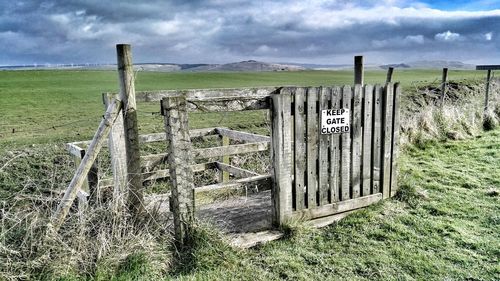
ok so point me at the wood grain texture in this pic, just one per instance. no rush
(118, 154)
(224, 175)
(153, 160)
(86, 164)
(357, 134)
(180, 158)
(345, 158)
(323, 169)
(336, 103)
(300, 148)
(367, 140)
(281, 155)
(395, 139)
(127, 96)
(377, 139)
(242, 136)
(312, 147)
(335, 208)
(216, 100)
(387, 105)
(236, 171)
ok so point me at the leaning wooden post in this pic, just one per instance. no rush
(444, 85)
(116, 144)
(358, 70)
(389, 75)
(83, 169)
(179, 159)
(127, 96)
(486, 97)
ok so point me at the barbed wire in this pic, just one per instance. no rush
(54, 127)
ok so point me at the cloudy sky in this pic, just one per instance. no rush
(220, 31)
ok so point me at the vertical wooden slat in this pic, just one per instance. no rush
(395, 139)
(356, 142)
(323, 176)
(387, 104)
(300, 148)
(179, 158)
(377, 139)
(282, 155)
(367, 140)
(116, 144)
(312, 146)
(345, 159)
(336, 103)
(224, 175)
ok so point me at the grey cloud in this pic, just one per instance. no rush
(223, 31)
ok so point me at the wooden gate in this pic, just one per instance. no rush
(316, 175)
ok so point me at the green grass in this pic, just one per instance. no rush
(445, 226)
(62, 106)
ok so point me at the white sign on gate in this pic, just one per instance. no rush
(335, 121)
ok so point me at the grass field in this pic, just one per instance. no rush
(62, 106)
(444, 224)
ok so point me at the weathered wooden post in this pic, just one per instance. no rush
(86, 164)
(486, 96)
(395, 138)
(180, 158)
(358, 70)
(127, 96)
(489, 68)
(281, 151)
(444, 85)
(389, 75)
(224, 175)
(116, 144)
(387, 119)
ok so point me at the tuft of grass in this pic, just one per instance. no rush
(205, 250)
(490, 120)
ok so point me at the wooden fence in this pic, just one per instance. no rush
(316, 175)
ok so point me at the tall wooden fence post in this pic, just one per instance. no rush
(127, 96)
(390, 71)
(281, 151)
(486, 97)
(180, 158)
(358, 70)
(387, 119)
(444, 85)
(395, 138)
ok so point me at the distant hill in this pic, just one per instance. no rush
(249, 65)
(428, 64)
